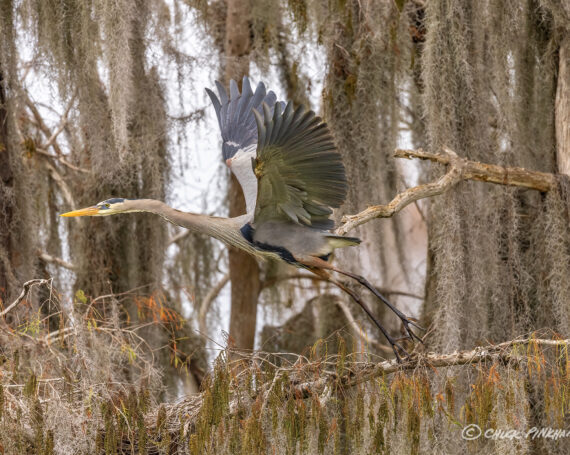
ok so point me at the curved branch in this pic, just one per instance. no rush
(459, 169)
(208, 299)
(60, 182)
(26, 288)
(356, 328)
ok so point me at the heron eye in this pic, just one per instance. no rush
(107, 206)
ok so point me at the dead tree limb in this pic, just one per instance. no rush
(459, 169)
(26, 288)
(501, 351)
(55, 260)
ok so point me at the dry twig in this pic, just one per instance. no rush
(25, 289)
(208, 299)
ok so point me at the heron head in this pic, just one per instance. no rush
(103, 208)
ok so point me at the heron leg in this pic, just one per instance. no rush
(395, 345)
(406, 322)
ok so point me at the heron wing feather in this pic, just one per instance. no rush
(235, 114)
(299, 171)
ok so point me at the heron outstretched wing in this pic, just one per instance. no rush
(239, 130)
(299, 171)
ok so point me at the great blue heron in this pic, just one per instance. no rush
(291, 175)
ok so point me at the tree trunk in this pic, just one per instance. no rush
(562, 109)
(18, 228)
(6, 184)
(244, 270)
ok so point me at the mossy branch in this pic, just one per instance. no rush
(481, 354)
(459, 169)
(190, 407)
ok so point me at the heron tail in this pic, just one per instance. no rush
(338, 241)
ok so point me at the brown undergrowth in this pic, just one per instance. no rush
(90, 386)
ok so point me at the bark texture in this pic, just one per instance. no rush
(562, 113)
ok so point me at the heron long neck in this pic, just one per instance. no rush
(225, 229)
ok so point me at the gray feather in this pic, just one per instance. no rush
(235, 114)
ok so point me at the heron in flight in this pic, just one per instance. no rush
(292, 177)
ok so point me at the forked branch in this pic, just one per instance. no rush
(459, 169)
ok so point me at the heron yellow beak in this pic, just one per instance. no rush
(89, 211)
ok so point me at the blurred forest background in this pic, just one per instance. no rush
(117, 321)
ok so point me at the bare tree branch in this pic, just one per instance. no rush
(356, 328)
(473, 170)
(432, 360)
(60, 127)
(55, 260)
(40, 123)
(62, 160)
(459, 169)
(208, 299)
(58, 179)
(178, 236)
(52, 136)
(26, 288)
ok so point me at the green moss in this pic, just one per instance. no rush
(111, 437)
(16, 365)
(31, 386)
(253, 438)
(414, 426)
(49, 444)
(38, 423)
(358, 419)
(480, 403)
(341, 357)
(323, 428)
(235, 435)
(426, 399)
(450, 395)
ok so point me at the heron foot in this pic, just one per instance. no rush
(397, 347)
(406, 322)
